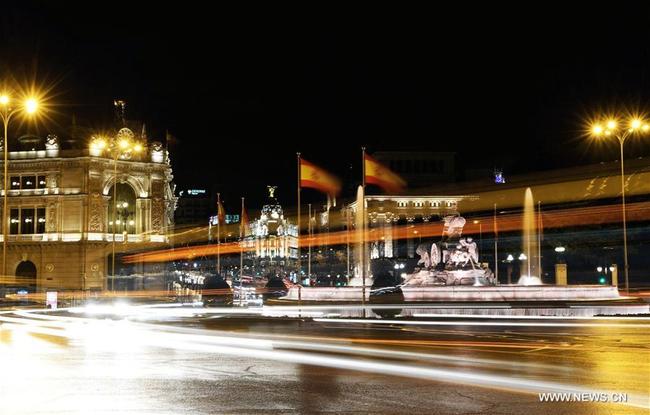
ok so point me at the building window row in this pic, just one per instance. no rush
(25, 221)
(28, 181)
(404, 203)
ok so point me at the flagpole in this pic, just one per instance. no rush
(298, 277)
(496, 260)
(218, 234)
(241, 253)
(309, 230)
(539, 238)
(363, 227)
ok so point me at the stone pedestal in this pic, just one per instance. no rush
(560, 274)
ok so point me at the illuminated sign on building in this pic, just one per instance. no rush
(192, 192)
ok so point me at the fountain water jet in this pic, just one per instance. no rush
(530, 265)
(360, 240)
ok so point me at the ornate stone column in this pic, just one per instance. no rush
(142, 215)
(410, 243)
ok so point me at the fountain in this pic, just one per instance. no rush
(454, 260)
(450, 270)
(530, 266)
(355, 289)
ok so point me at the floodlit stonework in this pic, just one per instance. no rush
(60, 217)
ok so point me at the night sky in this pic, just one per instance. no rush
(243, 90)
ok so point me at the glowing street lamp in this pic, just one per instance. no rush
(27, 106)
(635, 126)
(31, 105)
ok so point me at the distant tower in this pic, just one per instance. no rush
(120, 111)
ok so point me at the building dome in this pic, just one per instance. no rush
(30, 142)
(272, 210)
(274, 238)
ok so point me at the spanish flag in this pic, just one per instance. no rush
(314, 177)
(221, 213)
(380, 175)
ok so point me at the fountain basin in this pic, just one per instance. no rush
(464, 293)
(326, 293)
(510, 293)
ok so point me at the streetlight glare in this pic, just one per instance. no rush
(31, 105)
(124, 144)
(137, 148)
(4, 99)
(635, 124)
(98, 143)
(611, 124)
(597, 129)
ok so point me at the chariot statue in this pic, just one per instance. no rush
(452, 261)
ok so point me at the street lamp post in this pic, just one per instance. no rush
(118, 146)
(608, 129)
(29, 106)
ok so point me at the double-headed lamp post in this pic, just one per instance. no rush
(612, 128)
(28, 106)
(118, 146)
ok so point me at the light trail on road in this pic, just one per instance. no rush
(109, 334)
(481, 323)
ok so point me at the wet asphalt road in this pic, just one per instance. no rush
(213, 364)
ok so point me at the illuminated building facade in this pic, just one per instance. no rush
(390, 218)
(60, 205)
(273, 239)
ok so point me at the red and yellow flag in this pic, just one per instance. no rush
(380, 175)
(314, 177)
(221, 213)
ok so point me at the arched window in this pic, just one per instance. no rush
(26, 275)
(124, 219)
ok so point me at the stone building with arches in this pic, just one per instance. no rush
(61, 225)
